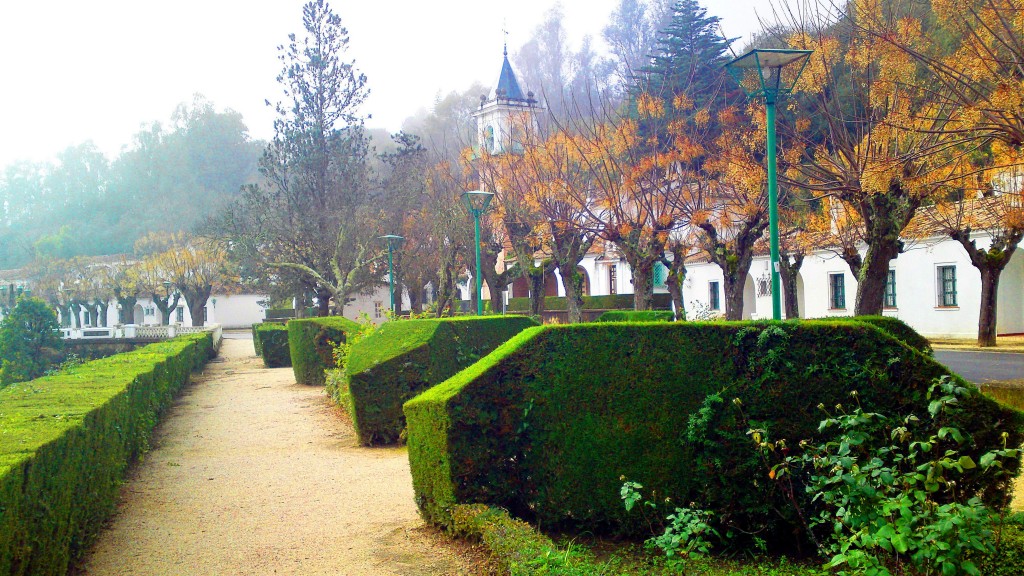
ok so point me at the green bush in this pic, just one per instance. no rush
(311, 344)
(607, 302)
(403, 358)
(636, 316)
(547, 424)
(256, 344)
(273, 344)
(66, 441)
(896, 328)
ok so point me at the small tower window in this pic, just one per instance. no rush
(489, 141)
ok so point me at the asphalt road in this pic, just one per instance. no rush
(981, 367)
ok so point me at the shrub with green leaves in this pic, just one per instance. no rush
(888, 492)
(273, 344)
(30, 341)
(636, 316)
(547, 424)
(66, 441)
(403, 358)
(311, 344)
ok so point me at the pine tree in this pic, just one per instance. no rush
(688, 57)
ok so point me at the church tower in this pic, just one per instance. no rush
(506, 114)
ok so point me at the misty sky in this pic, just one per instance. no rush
(77, 70)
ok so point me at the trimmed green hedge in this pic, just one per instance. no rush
(900, 330)
(608, 302)
(66, 442)
(311, 344)
(272, 342)
(549, 423)
(636, 316)
(403, 358)
(257, 345)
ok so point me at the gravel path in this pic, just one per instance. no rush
(254, 474)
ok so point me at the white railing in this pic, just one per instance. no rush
(133, 331)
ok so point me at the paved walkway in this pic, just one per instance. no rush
(254, 474)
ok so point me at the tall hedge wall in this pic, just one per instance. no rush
(311, 344)
(403, 358)
(271, 342)
(549, 423)
(66, 441)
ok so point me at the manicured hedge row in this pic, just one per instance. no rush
(636, 316)
(549, 423)
(257, 345)
(66, 441)
(311, 344)
(608, 302)
(899, 330)
(271, 341)
(403, 358)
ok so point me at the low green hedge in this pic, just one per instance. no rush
(607, 302)
(636, 316)
(403, 358)
(66, 442)
(257, 345)
(272, 339)
(548, 424)
(311, 344)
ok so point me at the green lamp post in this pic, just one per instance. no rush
(477, 202)
(760, 73)
(393, 241)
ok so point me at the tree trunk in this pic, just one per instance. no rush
(127, 309)
(76, 314)
(416, 300)
(675, 289)
(642, 268)
(987, 317)
(196, 299)
(323, 302)
(873, 272)
(573, 282)
(536, 281)
(788, 274)
(102, 306)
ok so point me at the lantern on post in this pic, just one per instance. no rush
(770, 74)
(477, 202)
(393, 241)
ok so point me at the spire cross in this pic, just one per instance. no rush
(504, 28)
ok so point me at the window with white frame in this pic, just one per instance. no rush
(837, 291)
(378, 309)
(946, 279)
(179, 314)
(714, 302)
(889, 300)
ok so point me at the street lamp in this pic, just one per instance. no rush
(476, 202)
(760, 73)
(393, 241)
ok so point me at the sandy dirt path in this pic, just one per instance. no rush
(252, 473)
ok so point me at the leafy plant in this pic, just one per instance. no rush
(687, 530)
(898, 506)
(30, 341)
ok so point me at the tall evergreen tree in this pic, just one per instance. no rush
(688, 57)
